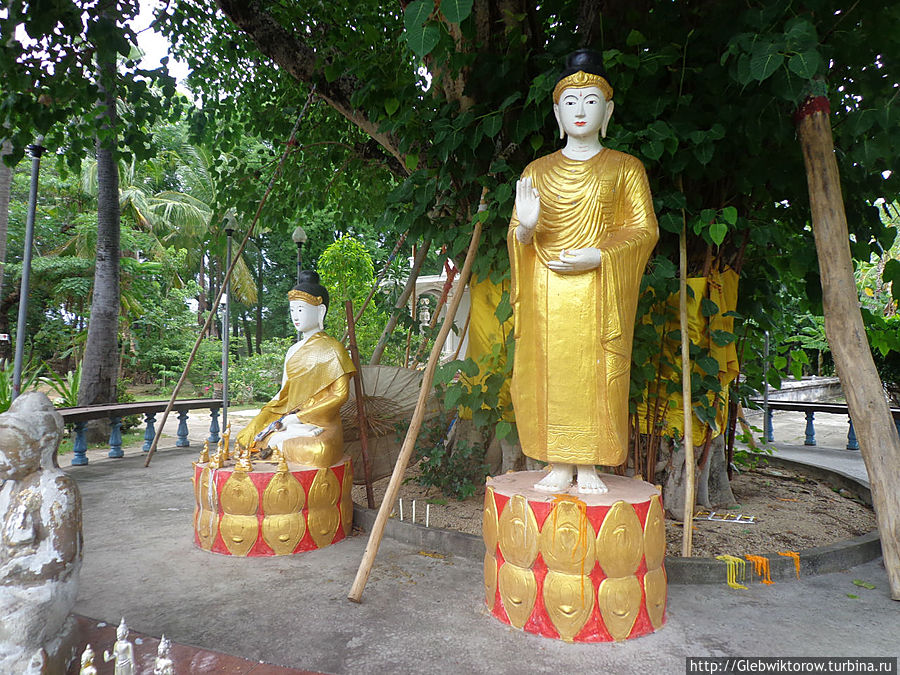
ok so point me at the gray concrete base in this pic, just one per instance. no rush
(820, 560)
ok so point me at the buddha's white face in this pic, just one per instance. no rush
(306, 317)
(583, 112)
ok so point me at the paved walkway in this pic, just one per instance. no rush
(420, 614)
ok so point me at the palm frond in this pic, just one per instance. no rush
(243, 287)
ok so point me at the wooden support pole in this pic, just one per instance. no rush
(400, 305)
(879, 442)
(409, 443)
(689, 462)
(361, 417)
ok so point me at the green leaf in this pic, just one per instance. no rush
(863, 584)
(391, 106)
(670, 222)
(722, 337)
(717, 232)
(708, 307)
(708, 365)
(416, 13)
(536, 141)
(412, 161)
(492, 124)
(635, 37)
(805, 64)
(764, 61)
(456, 11)
(332, 72)
(653, 150)
(729, 213)
(852, 596)
(422, 39)
(452, 397)
(503, 429)
(704, 153)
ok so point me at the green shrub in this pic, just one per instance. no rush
(257, 378)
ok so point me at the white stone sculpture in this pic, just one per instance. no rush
(164, 664)
(123, 651)
(40, 541)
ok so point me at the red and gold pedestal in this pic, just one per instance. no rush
(267, 512)
(580, 568)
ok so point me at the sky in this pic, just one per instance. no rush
(154, 45)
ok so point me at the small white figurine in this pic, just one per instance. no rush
(164, 664)
(87, 662)
(123, 652)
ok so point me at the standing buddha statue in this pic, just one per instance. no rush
(581, 232)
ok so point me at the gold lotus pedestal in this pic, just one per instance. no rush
(271, 509)
(580, 568)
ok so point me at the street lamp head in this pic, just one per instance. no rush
(299, 236)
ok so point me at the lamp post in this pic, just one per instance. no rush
(300, 238)
(226, 325)
(36, 151)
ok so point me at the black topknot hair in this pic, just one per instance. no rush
(308, 282)
(588, 60)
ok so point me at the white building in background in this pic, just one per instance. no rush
(429, 288)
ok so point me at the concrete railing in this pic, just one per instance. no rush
(79, 417)
(810, 410)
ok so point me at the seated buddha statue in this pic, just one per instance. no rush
(582, 230)
(303, 420)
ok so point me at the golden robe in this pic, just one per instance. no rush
(573, 331)
(317, 385)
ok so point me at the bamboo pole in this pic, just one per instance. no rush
(689, 463)
(418, 259)
(879, 442)
(360, 405)
(237, 255)
(390, 496)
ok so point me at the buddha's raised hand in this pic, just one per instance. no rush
(528, 209)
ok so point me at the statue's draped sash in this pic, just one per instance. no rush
(573, 332)
(314, 367)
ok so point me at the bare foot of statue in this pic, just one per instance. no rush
(559, 479)
(589, 482)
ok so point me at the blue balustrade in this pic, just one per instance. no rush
(115, 437)
(213, 427)
(852, 443)
(810, 428)
(150, 431)
(79, 445)
(182, 433)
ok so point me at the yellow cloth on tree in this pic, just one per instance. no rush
(573, 332)
(487, 339)
(722, 289)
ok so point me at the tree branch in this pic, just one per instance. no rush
(299, 59)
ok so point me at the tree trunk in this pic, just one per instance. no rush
(6, 305)
(99, 369)
(879, 442)
(247, 333)
(6, 174)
